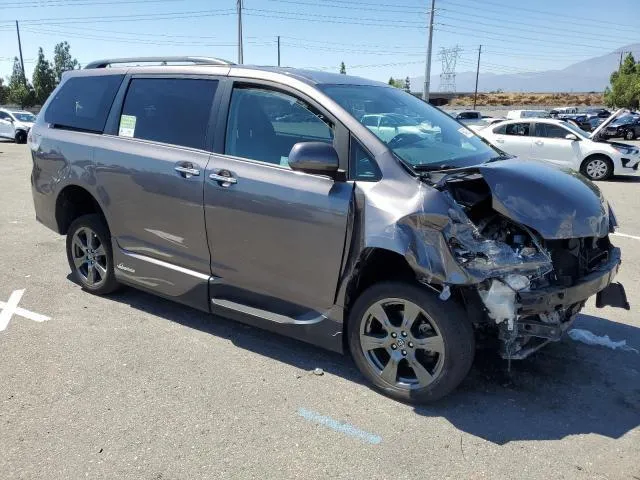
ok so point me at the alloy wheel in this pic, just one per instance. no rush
(597, 169)
(402, 344)
(89, 257)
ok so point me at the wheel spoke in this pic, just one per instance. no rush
(373, 342)
(89, 236)
(378, 312)
(390, 372)
(91, 275)
(102, 272)
(78, 243)
(79, 261)
(411, 312)
(430, 344)
(100, 252)
(422, 374)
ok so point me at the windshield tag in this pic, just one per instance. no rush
(466, 132)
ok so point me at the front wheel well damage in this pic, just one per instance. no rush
(73, 202)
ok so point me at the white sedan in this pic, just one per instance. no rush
(565, 145)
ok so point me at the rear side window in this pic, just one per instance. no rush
(83, 103)
(168, 110)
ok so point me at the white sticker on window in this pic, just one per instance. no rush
(466, 132)
(127, 126)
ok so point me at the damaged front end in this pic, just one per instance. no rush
(524, 245)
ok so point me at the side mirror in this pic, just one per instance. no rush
(9, 119)
(571, 136)
(314, 157)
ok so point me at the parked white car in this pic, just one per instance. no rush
(16, 124)
(387, 126)
(515, 114)
(565, 145)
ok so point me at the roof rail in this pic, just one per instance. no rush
(195, 60)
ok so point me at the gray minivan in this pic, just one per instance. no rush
(256, 193)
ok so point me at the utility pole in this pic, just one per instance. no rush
(475, 93)
(620, 65)
(278, 50)
(24, 75)
(240, 59)
(427, 69)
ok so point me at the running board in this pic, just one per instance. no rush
(267, 315)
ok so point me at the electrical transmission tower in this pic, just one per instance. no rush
(449, 57)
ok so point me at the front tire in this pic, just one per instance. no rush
(90, 254)
(409, 344)
(629, 135)
(597, 167)
(21, 137)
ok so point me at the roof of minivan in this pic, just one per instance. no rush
(311, 77)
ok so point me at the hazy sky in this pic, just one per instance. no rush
(374, 39)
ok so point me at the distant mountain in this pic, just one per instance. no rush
(586, 76)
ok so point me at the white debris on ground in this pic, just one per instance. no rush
(590, 338)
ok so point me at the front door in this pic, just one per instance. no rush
(151, 176)
(550, 145)
(6, 126)
(276, 236)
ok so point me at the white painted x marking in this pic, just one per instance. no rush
(11, 307)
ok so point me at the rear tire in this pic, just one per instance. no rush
(409, 344)
(597, 167)
(90, 254)
(21, 137)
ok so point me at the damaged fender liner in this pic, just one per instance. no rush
(548, 299)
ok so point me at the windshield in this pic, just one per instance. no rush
(419, 134)
(25, 117)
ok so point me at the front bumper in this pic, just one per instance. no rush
(551, 299)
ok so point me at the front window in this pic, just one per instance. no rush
(576, 130)
(417, 133)
(25, 117)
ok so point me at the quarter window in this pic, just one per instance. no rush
(168, 110)
(363, 167)
(264, 125)
(83, 103)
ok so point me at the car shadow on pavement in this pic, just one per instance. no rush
(565, 389)
(624, 179)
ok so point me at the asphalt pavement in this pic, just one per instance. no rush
(132, 386)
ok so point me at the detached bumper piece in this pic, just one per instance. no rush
(614, 296)
(550, 299)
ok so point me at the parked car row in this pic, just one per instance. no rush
(562, 143)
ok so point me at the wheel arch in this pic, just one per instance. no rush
(374, 265)
(593, 155)
(72, 202)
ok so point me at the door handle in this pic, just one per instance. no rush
(539, 142)
(499, 140)
(187, 171)
(224, 178)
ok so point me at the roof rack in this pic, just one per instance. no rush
(195, 60)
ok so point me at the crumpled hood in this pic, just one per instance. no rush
(555, 203)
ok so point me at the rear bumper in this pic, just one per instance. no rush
(551, 299)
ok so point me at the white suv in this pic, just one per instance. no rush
(565, 145)
(16, 124)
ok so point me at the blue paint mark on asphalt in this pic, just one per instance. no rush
(345, 428)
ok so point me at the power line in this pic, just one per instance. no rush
(66, 3)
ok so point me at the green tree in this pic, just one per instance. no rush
(624, 89)
(407, 85)
(3, 92)
(20, 92)
(392, 82)
(44, 79)
(343, 68)
(62, 60)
